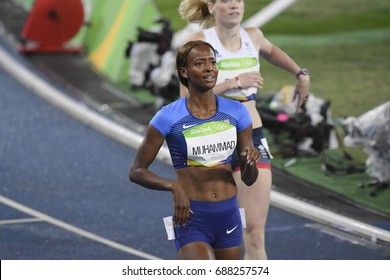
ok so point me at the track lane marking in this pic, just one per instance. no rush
(74, 229)
(19, 221)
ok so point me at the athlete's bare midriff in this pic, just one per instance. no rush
(207, 183)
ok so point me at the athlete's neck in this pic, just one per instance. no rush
(229, 38)
(202, 107)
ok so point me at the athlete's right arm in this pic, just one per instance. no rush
(139, 170)
(139, 173)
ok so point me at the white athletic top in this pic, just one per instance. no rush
(233, 63)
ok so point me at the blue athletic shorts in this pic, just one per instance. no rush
(264, 161)
(215, 223)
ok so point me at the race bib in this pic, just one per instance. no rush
(210, 144)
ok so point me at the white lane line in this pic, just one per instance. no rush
(74, 229)
(19, 221)
(330, 218)
(268, 13)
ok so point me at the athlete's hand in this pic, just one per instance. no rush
(181, 205)
(249, 172)
(251, 79)
(301, 91)
(250, 155)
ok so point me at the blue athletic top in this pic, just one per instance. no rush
(201, 142)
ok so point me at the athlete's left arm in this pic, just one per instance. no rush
(279, 58)
(249, 156)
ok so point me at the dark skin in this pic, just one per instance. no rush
(197, 183)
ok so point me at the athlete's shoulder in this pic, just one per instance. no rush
(175, 106)
(253, 31)
(228, 103)
(168, 115)
(172, 109)
(256, 35)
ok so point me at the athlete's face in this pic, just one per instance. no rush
(201, 70)
(227, 12)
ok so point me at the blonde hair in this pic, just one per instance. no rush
(197, 11)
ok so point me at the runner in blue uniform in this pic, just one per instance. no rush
(202, 131)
